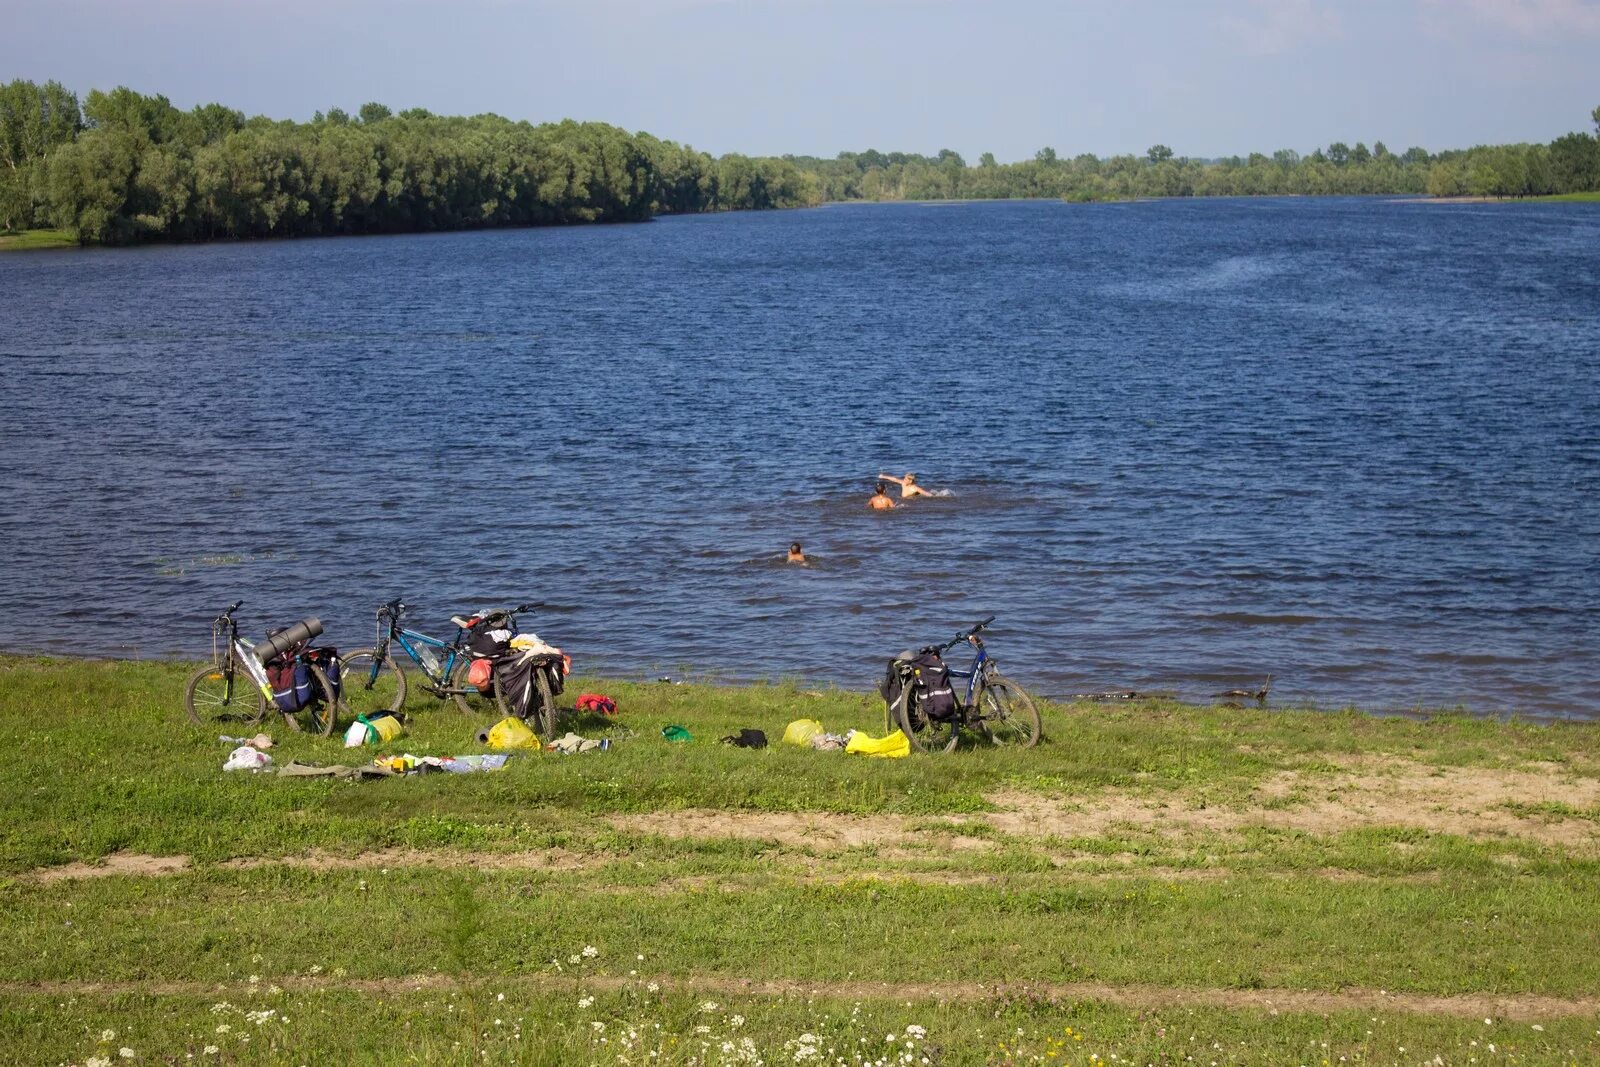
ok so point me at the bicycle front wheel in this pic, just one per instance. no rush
(1008, 714)
(370, 686)
(213, 697)
(925, 734)
(545, 694)
(469, 699)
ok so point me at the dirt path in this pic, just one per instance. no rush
(1511, 1007)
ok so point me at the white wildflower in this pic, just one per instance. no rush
(108, 1036)
(654, 987)
(590, 952)
(709, 1005)
(125, 1052)
(223, 1028)
(97, 1061)
(586, 1002)
(211, 1050)
(916, 1031)
(736, 1021)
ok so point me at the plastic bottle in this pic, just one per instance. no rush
(429, 658)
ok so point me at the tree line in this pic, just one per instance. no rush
(124, 167)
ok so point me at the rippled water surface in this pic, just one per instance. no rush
(1352, 444)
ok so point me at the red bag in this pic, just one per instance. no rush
(480, 673)
(597, 703)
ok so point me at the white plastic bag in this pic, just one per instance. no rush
(245, 758)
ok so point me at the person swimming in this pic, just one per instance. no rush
(908, 485)
(880, 498)
(795, 554)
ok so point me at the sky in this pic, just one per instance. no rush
(815, 77)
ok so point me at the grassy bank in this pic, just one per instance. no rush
(13, 240)
(1158, 883)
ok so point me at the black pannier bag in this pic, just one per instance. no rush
(515, 673)
(930, 679)
(929, 682)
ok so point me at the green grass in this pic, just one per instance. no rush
(26, 239)
(1576, 198)
(936, 910)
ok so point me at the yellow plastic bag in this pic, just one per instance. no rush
(895, 746)
(801, 731)
(509, 733)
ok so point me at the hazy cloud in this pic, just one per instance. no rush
(1273, 27)
(1531, 18)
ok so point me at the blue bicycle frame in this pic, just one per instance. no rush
(971, 674)
(446, 665)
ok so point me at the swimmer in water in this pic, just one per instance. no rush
(880, 498)
(795, 555)
(908, 485)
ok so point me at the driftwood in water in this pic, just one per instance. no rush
(1259, 695)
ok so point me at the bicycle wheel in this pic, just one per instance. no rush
(467, 697)
(545, 694)
(925, 734)
(370, 687)
(211, 698)
(1007, 713)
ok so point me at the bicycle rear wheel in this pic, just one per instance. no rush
(469, 700)
(322, 713)
(369, 686)
(211, 698)
(1008, 715)
(925, 734)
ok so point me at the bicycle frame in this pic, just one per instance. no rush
(447, 663)
(237, 651)
(972, 674)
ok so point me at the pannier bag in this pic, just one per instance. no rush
(928, 680)
(293, 687)
(514, 675)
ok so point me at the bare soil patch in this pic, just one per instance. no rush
(1468, 801)
(819, 831)
(118, 863)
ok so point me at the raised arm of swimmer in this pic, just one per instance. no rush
(908, 485)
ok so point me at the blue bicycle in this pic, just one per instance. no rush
(374, 683)
(994, 707)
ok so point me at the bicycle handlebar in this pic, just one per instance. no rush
(976, 628)
(227, 616)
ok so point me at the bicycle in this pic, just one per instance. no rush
(994, 706)
(374, 683)
(217, 692)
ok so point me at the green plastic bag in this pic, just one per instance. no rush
(676, 733)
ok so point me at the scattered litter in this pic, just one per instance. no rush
(571, 744)
(261, 741)
(398, 766)
(801, 731)
(894, 746)
(508, 733)
(826, 742)
(374, 731)
(676, 733)
(245, 758)
(746, 739)
(597, 703)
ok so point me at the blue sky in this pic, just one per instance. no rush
(818, 76)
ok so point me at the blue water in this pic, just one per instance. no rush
(1349, 443)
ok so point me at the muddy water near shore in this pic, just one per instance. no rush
(1344, 442)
